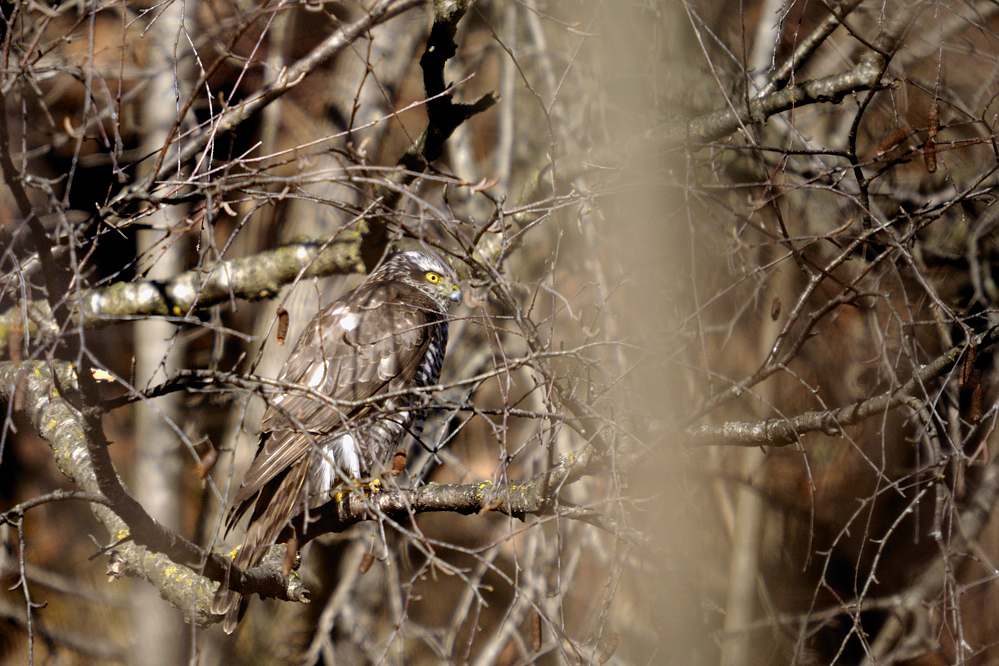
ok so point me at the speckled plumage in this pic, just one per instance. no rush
(387, 335)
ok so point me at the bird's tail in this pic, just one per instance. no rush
(227, 603)
(272, 513)
(274, 508)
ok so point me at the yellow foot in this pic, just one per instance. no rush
(371, 487)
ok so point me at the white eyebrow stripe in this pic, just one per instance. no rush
(430, 263)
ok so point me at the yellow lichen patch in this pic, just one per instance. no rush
(235, 550)
(122, 533)
(169, 571)
(177, 311)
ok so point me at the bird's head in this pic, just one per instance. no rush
(426, 271)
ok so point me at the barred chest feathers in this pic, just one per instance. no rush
(430, 370)
(385, 430)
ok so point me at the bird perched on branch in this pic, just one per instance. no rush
(386, 336)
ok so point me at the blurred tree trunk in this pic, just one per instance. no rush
(159, 351)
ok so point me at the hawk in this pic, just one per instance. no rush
(386, 336)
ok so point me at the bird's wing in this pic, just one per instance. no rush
(369, 341)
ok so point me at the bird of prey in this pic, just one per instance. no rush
(386, 336)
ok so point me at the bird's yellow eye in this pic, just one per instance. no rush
(433, 278)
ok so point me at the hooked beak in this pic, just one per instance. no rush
(455, 295)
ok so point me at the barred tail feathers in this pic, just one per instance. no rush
(265, 526)
(227, 602)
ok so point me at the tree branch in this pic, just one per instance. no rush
(721, 123)
(285, 81)
(253, 278)
(443, 117)
(891, 645)
(784, 431)
(808, 45)
(740, 112)
(54, 278)
(154, 551)
(144, 548)
(537, 497)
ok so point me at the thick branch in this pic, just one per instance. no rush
(148, 550)
(807, 46)
(444, 115)
(721, 123)
(739, 113)
(537, 497)
(252, 278)
(151, 551)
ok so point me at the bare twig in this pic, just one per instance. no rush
(285, 81)
(887, 646)
(78, 442)
(784, 431)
